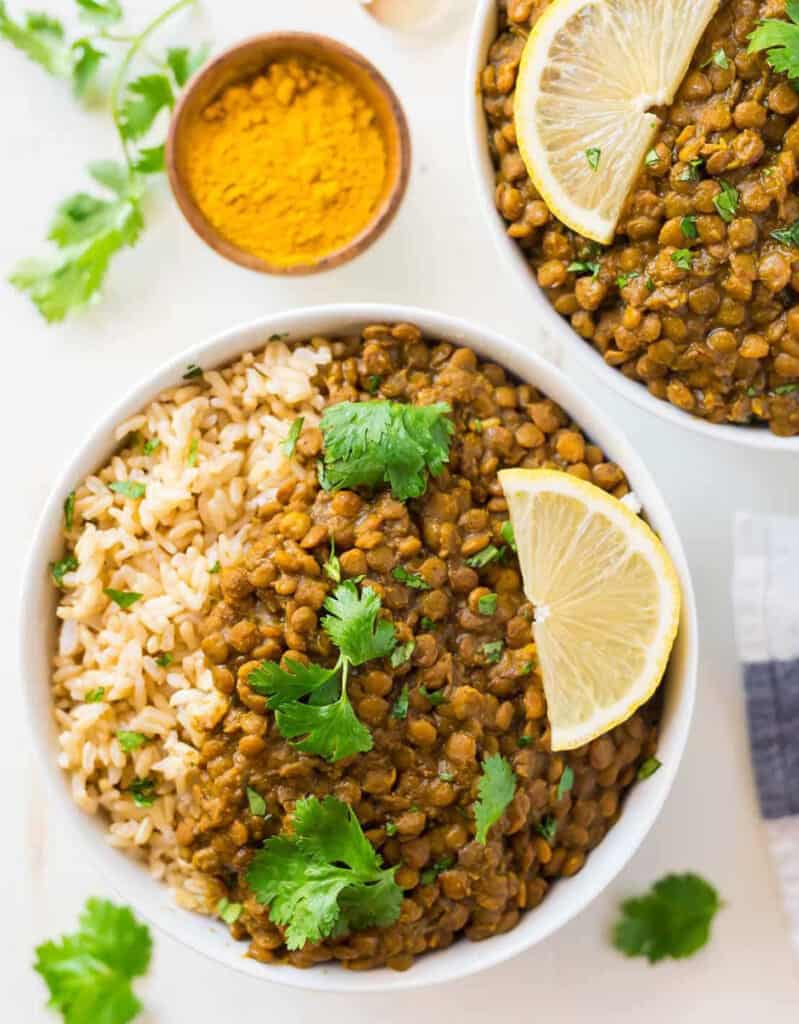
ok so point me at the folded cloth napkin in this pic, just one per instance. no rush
(766, 605)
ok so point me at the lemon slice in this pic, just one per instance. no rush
(590, 71)
(606, 598)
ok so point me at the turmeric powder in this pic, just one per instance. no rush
(289, 166)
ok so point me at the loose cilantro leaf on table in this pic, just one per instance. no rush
(781, 41)
(368, 444)
(89, 973)
(673, 919)
(183, 62)
(311, 701)
(496, 788)
(89, 230)
(325, 877)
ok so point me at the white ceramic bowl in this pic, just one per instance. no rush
(152, 899)
(483, 34)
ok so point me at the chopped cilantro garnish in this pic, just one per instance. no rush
(128, 488)
(624, 279)
(683, 258)
(256, 802)
(525, 741)
(324, 877)
(373, 384)
(566, 782)
(652, 158)
(429, 875)
(673, 919)
(279, 337)
(151, 445)
(489, 554)
(89, 973)
(368, 444)
(719, 58)
(436, 697)
(130, 741)
(288, 446)
(496, 789)
(215, 568)
(192, 371)
(164, 660)
(427, 623)
(229, 912)
(688, 227)
(584, 267)
(446, 776)
(786, 389)
(410, 579)
(95, 696)
(726, 202)
(650, 284)
(402, 654)
(69, 510)
(487, 604)
(547, 828)
(400, 708)
(123, 598)
(648, 768)
(332, 566)
(143, 792)
(789, 235)
(391, 828)
(593, 156)
(191, 458)
(58, 570)
(692, 169)
(507, 534)
(493, 651)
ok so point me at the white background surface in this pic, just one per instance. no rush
(171, 291)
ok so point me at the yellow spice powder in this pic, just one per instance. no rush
(290, 166)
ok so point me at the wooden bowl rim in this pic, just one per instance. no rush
(383, 215)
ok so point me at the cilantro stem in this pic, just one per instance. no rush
(136, 45)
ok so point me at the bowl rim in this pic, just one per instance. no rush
(383, 215)
(481, 36)
(151, 898)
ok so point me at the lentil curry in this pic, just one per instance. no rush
(696, 297)
(460, 689)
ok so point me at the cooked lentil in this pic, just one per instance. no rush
(706, 318)
(469, 688)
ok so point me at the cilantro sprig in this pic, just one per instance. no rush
(89, 229)
(780, 40)
(324, 877)
(310, 702)
(89, 973)
(370, 444)
(496, 789)
(673, 919)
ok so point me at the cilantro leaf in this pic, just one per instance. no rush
(429, 875)
(435, 697)
(683, 258)
(130, 741)
(566, 782)
(256, 802)
(283, 686)
(100, 12)
(142, 792)
(325, 877)
(547, 828)
(150, 160)
(58, 570)
(151, 445)
(496, 788)
(648, 768)
(145, 98)
(507, 533)
(402, 654)
(584, 267)
(229, 912)
(688, 227)
(367, 444)
(332, 566)
(400, 708)
(652, 159)
(673, 919)
(353, 625)
(69, 510)
(292, 437)
(410, 579)
(183, 62)
(89, 231)
(624, 279)
(493, 651)
(485, 557)
(487, 604)
(128, 488)
(789, 235)
(89, 973)
(692, 169)
(726, 202)
(86, 60)
(95, 696)
(332, 731)
(40, 38)
(593, 155)
(164, 660)
(781, 40)
(123, 598)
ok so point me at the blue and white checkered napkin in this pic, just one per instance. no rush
(766, 604)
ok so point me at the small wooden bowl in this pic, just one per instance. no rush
(244, 61)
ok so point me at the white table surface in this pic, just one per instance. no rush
(170, 291)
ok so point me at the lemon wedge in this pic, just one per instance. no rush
(606, 599)
(590, 72)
